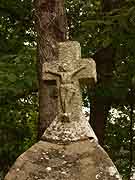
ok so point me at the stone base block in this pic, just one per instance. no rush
(82, 160)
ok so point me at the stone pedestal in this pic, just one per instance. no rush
(81, 160)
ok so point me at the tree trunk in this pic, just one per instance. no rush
(99, 112)
(51, 28)
(100, 103)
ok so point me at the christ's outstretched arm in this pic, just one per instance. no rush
(78, 70)
(52, 72)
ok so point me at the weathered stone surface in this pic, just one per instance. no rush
(69, 72)
(67, 153)
(82, 160)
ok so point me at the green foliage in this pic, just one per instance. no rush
(18, 84)
(118, 138)
(94, 29)
(18, 128)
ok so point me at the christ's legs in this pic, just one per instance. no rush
(62, 98)
(67, 92)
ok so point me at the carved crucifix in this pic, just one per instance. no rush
(69, 72)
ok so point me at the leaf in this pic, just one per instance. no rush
(12, 77)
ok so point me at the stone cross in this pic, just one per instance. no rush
(71, 155)
(69, 72)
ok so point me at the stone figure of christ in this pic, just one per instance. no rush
(67, 87)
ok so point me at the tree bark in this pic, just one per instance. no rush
(51, 28)
(98, 117)
(100, 103)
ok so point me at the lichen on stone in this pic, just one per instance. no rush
(70, 124)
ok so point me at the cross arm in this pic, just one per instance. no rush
(87, 73)
(78, 70)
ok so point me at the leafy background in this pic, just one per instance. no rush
(94, 29)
